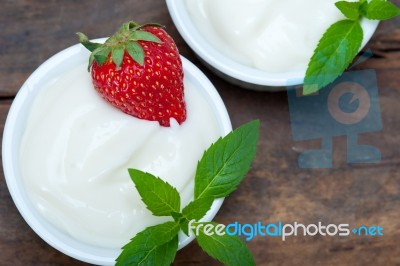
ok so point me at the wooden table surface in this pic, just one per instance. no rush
(276, 189)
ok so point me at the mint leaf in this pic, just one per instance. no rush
(195, 210)
(349, 9)
(230, 250)
(198, 208)
(177, 216)
(160, 197)
(225, 163)
(220, 170)
(334, 53)
(162, 255)
(379, 10)
(156, 245)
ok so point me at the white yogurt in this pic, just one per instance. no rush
(76, 150)
(271, 35)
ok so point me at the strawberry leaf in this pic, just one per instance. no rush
(125, 38)
(349, 9)
(224, 165)
(156, 245)
(84, 40)
(91, 59)
(101, 53)
(160, 197)
(136, 52)
(141, 35)
(334, 53)
(117, 55)
(128, 26)
(379, 10)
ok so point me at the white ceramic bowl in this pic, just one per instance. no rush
(231, 70)
(13, 132)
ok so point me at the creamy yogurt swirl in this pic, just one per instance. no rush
(271, 35)
(76, 150)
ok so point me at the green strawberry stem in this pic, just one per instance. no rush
(125, 39)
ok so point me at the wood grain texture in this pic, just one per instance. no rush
(276, 189)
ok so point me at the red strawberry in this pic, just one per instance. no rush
(139, 71)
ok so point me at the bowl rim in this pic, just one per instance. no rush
(229, 66)
(13, 179)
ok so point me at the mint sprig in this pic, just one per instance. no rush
(219, 172)
(342, 41)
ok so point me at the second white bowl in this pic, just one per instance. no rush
(231, 70)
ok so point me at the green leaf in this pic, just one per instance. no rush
(160, 197)
(84, 40)
(128, 25)
(117, 54)
(195, 210)
(379, 10)
(334, 53)
(198, 208)
(184, 223)
(349, 9)
(177, 216)
(136, 52)
(162, 255)
(225, 163)
(156, 245)
(230, 250)
(91, 59)
(100, 54)
(141, 35)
